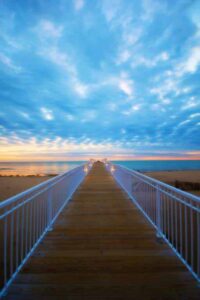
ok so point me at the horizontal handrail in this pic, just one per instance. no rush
(156, 181)
(26, 217)
(175, 214)
(36, 187)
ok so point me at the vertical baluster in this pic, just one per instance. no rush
(31, 225)
(11, 242)
(186, 233)
(172, 220)
(168, 218)
(153, 192)
(36, 221)
(181, 228)
(17, 238)
(5, 248)
(151, 207)
(26, 226)
(40, 209)
(198, 241)
(22, 233)
(147, 200)
(192, 236)
(153, 204)
(163, 213)
(45, 211)
(50, 207)
(158, 211)
(176, 224)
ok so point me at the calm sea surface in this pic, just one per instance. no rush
(37, 168)
(43, 168)
(161, 165)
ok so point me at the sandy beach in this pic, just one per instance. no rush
(185, 180)
(10, 186)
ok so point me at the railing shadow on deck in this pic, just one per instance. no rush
(175, 214)
(26, 218)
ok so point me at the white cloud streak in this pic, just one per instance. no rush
(78, 4)
(47, 114)
(9, 63)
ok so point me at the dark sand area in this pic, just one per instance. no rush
(188, 181)
(12, 185)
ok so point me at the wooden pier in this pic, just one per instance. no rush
(102, 247)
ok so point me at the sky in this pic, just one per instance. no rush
(104, 78)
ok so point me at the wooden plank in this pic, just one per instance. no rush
(102, 248)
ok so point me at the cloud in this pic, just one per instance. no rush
(149, 63)
(9, 63)
(134, 68)
(50, 148)
(47, 29)
(131, 36)
(191, 103)
(134, 108)
(80, 88)
(194, 115)
(112, 106)
(47, 114)
(88, 116)
(151, 8)
(62, 60)
(78, 4)
(123, 56)
(110, 9)
(183, 123)
(191, 63)
(70, 117)
(125, 84)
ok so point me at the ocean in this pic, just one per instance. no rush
(37, 168)
(53, 168)
(160, 165)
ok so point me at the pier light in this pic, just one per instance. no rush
(112, 169)
(85, 169)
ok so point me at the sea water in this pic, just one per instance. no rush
(160, 165)
(53, 168)
(37, 168)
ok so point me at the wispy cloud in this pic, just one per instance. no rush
(47, 29)
(97, 76)
(7, 61)
(47, 114)
(78, 4)
(149, 63)
(191, 63)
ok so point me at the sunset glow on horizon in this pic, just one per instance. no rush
(87, 79)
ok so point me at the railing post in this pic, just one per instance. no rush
(50, 209)
(158, 212)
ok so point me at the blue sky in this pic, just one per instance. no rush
(116, 78)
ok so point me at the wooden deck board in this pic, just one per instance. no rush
(102, 248)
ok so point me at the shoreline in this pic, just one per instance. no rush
(137, 170)
(29, 175)
(187, 180)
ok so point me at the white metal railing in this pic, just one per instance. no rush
(174, 213)
(26, 217)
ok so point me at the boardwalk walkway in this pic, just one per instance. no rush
(102, 248)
